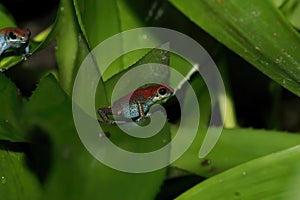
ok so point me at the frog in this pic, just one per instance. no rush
(15, 40)
(136, 105)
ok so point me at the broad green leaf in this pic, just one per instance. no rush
(70, 49)
(131, 16)
(98, 19)
(16, 180)
(11, 108)
(234, 147)
(122, 15)
(256, 31)
(74, 173)
(275, 176)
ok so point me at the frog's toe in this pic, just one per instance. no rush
(25, 56)
(141, 119)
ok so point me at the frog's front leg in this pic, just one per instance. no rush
(141, 112)
(3, 46)
(103, 112)
(26, 53)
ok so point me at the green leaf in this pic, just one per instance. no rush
(16, 180)
(131, 15)
(275, 176)
(256, 31)
(69, 156)
(6, 19)
(291, 10)
(70, 50)
(153, 56)
(98, 19)
(122, 15)
(234, 147)
(11, 108)
(96, 31)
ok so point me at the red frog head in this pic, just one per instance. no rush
(17, 35)
(152, 93)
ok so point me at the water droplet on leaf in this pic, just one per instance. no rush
(3, 180)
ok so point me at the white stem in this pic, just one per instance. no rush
(187, 77)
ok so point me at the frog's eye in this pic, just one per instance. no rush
(12, 35)
(162, 91)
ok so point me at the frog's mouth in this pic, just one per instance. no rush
(20, 41)
(164, 97)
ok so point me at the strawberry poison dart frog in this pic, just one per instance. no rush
(136, 104)
(15, 40)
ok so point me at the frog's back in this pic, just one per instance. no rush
(128, 105)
